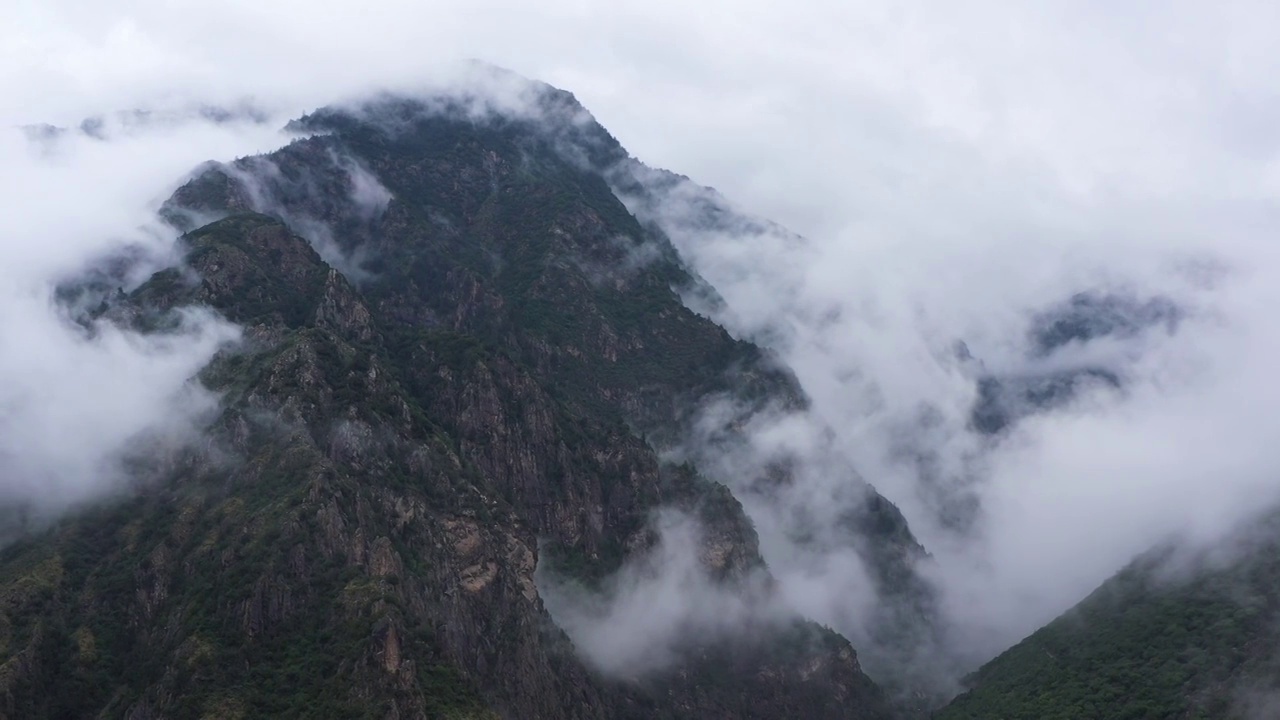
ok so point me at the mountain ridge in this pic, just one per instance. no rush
(395, 455)
(1185, 631)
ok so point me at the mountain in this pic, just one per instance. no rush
(478, 407)
(1179, 634)
(464, 363)
(1059, 361)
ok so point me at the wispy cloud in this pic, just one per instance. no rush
(77, 394)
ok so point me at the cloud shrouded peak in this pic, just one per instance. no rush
(1082, 195)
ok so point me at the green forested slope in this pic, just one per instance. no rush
(1176, 635)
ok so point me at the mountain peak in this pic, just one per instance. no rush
(466, 365)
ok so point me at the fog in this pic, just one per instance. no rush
(953, 171)
(659, 603)
(1067, 496)
(76, 395)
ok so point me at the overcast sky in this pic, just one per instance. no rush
(813, 113)
(955, 166)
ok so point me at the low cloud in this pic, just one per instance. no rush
(1176, 445)
(662, 602)
(77, 394)
(297, 196)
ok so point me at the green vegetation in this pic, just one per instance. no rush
(1151, 643)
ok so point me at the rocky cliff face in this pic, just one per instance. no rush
(462, 355)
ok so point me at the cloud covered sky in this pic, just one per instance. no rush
(955, 167)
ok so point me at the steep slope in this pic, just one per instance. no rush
(492, 226)
(357, 534)
(503, 224)
(1175, 635)
(901, 638)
